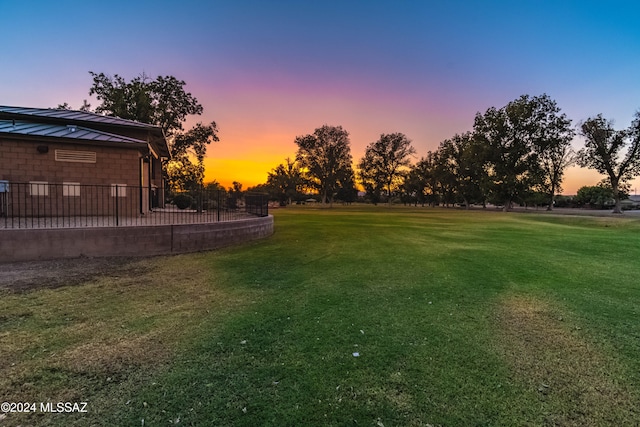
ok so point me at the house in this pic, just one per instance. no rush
(53, 159)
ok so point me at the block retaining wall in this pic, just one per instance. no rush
(43, 244)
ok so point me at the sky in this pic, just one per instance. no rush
(268, 71)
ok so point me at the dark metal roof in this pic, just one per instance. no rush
(120, 129)
(18, 127)
(72, 115)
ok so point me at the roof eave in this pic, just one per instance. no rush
(140, 146)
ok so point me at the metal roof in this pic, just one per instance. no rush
(117, 129)
(19, 127)
(72, 115)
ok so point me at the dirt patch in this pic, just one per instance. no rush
(576, 383)
(26, 276)
(116, 356)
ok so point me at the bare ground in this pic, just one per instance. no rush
(553, 358)
(25, 276)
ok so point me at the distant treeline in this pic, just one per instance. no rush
(515, 154)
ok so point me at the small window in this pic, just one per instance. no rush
(71, 189)
(38, 188)
(119, 190)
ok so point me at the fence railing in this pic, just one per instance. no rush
(55, 205)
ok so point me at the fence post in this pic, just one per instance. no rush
(218, 205)
(117, 197)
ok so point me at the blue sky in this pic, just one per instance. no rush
(267, 71)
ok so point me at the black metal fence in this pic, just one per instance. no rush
(50, 205)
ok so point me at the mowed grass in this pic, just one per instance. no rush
(371, 316)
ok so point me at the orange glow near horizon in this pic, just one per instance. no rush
(251, 171)
(248, 172)
(259, 123)
(246, 156)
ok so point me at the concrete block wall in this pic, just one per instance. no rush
(20, 161)
(42, 244)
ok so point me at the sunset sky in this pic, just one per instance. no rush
(268, 71)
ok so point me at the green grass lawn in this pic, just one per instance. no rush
(359, 316)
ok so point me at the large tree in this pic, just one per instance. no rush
(286, 181)
(325, 157)
(604, 152)
(552, 143)
(162, 102)
(371, 179)
(386, 161)
(347, 191)
(515, 136)
(598, 196)
(462, 159)
(181, 172)
(508, 154)
(422, 180)
(165, 103)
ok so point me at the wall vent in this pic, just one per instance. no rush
(75, 156)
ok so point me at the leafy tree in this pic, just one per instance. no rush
(263, 188)
(347, 191)
(444, 178)
(552, 144)
(194, 142)
(286, 181)
(84, 107)
(183, 175)
(413, 187)
(598, 196)
(462, 161)
(162, 102)
(235, 190)
(603, 152)
(509, 158)
(180, 170)
(385, 162)
(235, 193)
(514, 136)
(325, 157)
(214, 186)
(370, 179)
(422, 180)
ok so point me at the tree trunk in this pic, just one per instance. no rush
(616, 196)
(551, 196)
(617, 209)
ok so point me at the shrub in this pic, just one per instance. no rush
(182, 201)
